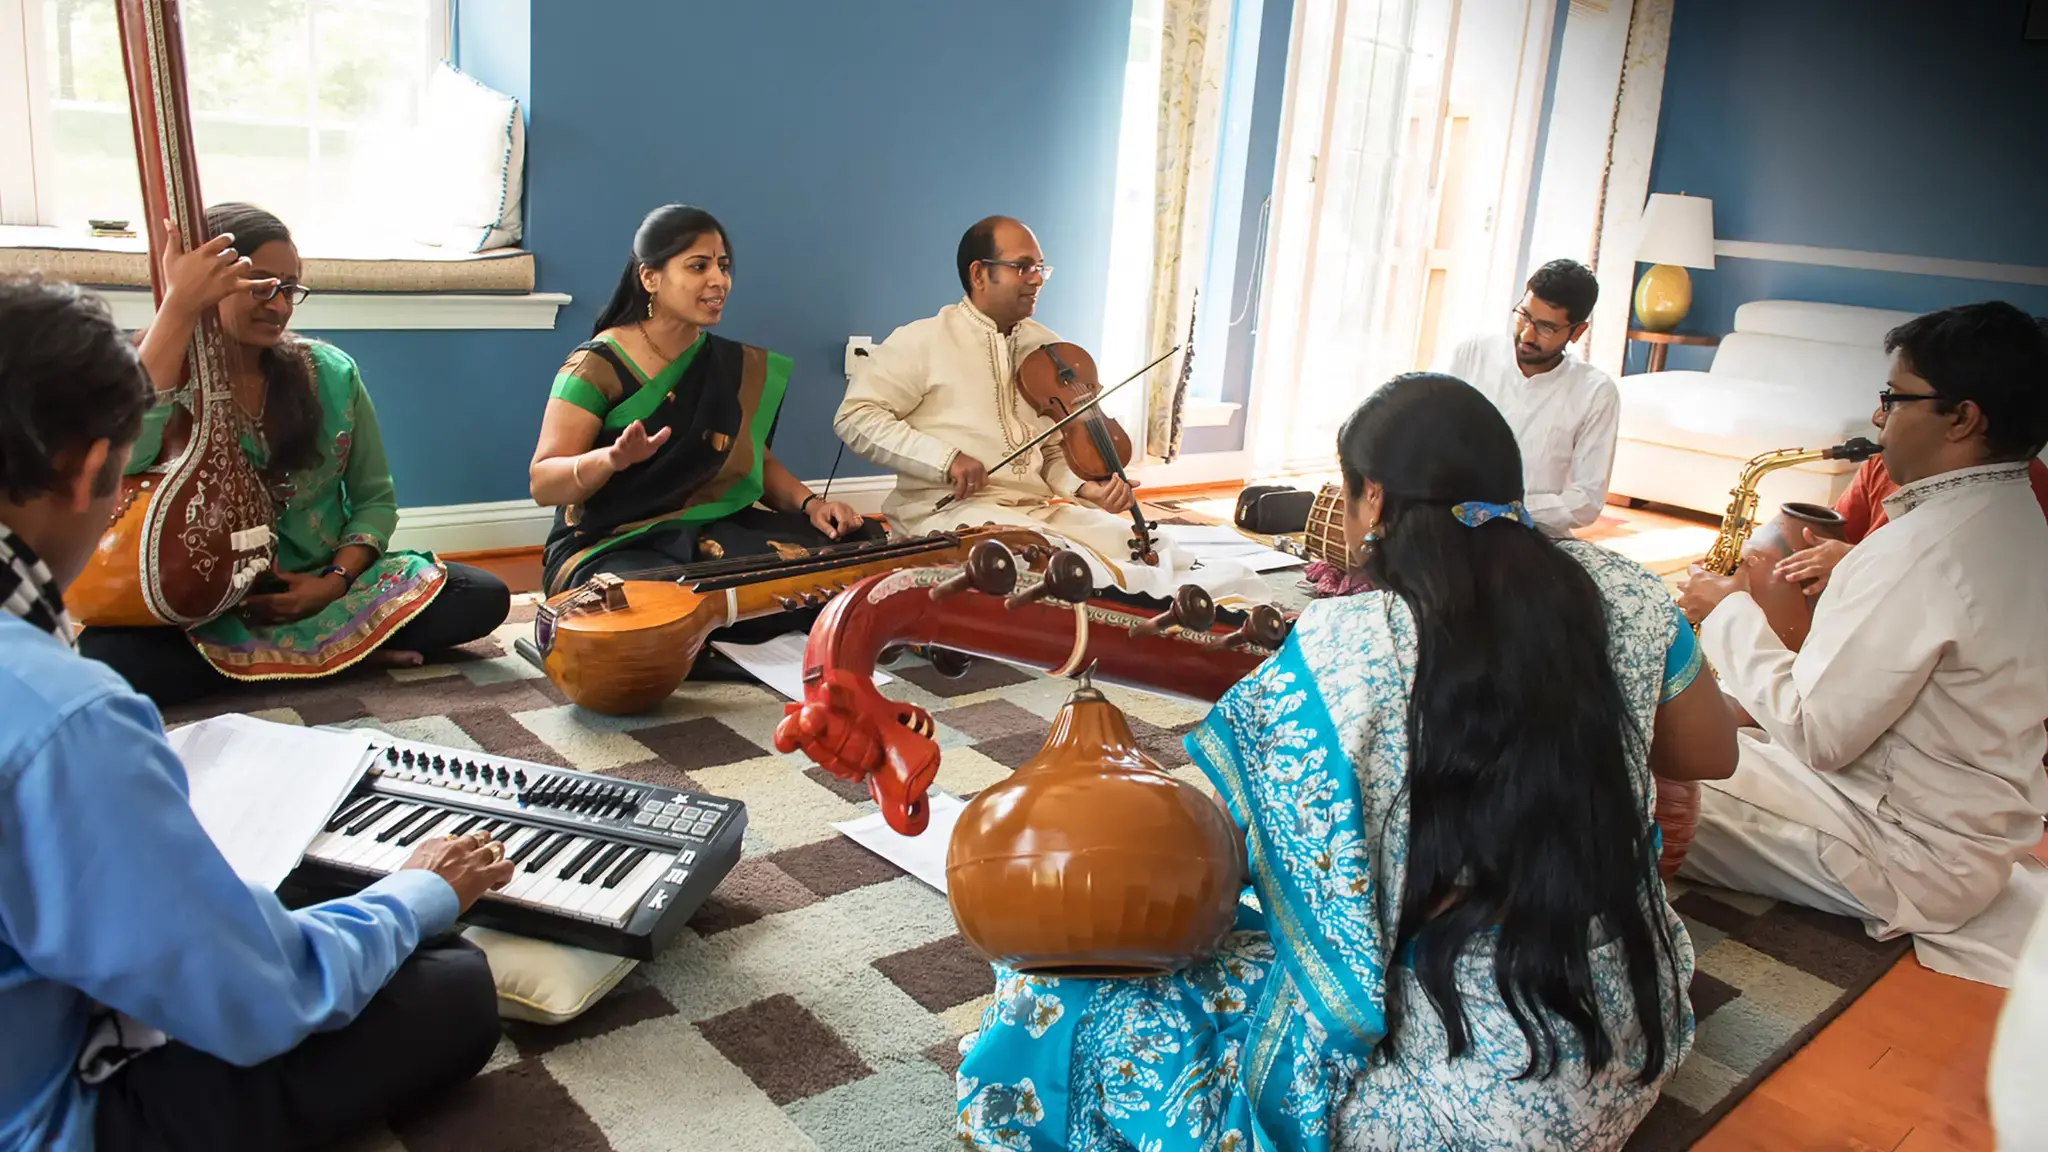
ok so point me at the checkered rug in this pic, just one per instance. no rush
(816, 1001)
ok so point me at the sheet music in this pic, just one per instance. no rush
(263, 790)
(779, 663)
(1213, 542)
(922, 855)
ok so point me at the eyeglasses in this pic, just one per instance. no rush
(1887, 398)
(1025, 268)
(296, 293)
(1544, 328)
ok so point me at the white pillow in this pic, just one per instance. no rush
(543, 982)
(471, 149)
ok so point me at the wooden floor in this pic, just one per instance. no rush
(1901, 1071)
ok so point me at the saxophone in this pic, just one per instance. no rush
(1740, 519)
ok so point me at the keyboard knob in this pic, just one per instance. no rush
(391, 755)
(504, 775)
(408, 757)
(519, 777)
(472, 770)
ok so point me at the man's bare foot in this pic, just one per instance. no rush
(395, 658)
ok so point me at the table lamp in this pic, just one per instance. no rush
(1678, 233)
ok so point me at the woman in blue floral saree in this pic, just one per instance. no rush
(1455, 935)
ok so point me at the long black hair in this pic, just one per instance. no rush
(666, 232)
(1524, 817)
(291, 409)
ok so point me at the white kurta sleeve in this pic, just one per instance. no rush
(1875, 642)
(872, 417)
(1579, 504)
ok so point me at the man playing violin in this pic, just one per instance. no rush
(937, 404)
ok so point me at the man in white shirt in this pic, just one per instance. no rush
(1895, 773)
(937, 404)
(1564, 411)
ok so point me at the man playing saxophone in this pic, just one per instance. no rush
(1895, 771)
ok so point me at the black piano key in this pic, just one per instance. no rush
(465, 826)
(372, 816)
(542, 840)
(604, 861)
(540, 860)
(507, 831)
(405, 822)
(350, 811)
(582, 858)
(422, 828)
(625, 867)
(532, 845)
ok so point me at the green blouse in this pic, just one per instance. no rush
(346, 497)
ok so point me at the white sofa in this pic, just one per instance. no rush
(1792, 375)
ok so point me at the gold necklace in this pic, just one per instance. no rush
(649, 337)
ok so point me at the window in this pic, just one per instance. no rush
(303, 106)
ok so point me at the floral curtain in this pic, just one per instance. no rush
(1194, 44)
(1630, 149)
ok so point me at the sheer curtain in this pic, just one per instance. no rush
(1194, 49)
(1361, 142)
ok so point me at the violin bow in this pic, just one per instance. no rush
(1079, 411)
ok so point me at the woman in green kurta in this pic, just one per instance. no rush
(655, 444)
(339, 594)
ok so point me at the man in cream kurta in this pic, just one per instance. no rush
(937, 405)
(1896, 771)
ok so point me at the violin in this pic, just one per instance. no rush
(1058, 380)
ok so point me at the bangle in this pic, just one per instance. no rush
(807, 501)
(347, 580)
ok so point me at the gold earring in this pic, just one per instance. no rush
(650, 307)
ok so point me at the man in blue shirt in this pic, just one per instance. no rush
(148, 997)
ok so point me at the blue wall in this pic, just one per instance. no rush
(1900, 126)
(845, 147)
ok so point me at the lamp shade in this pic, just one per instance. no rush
(1677, 230)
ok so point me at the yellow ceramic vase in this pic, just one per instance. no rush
(1663, 296)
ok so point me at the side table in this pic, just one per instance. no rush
(1661, 342)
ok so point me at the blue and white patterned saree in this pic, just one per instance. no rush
(1275, 1043)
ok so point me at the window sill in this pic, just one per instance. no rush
(398, 286)
(382, 311)
(1208, 414)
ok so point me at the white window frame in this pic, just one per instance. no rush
(25, 107)
(26, 176)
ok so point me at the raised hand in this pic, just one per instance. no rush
(199, 279)
(634, 445)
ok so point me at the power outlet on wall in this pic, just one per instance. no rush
(856, 350)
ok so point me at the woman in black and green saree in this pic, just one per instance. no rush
(654, 447)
